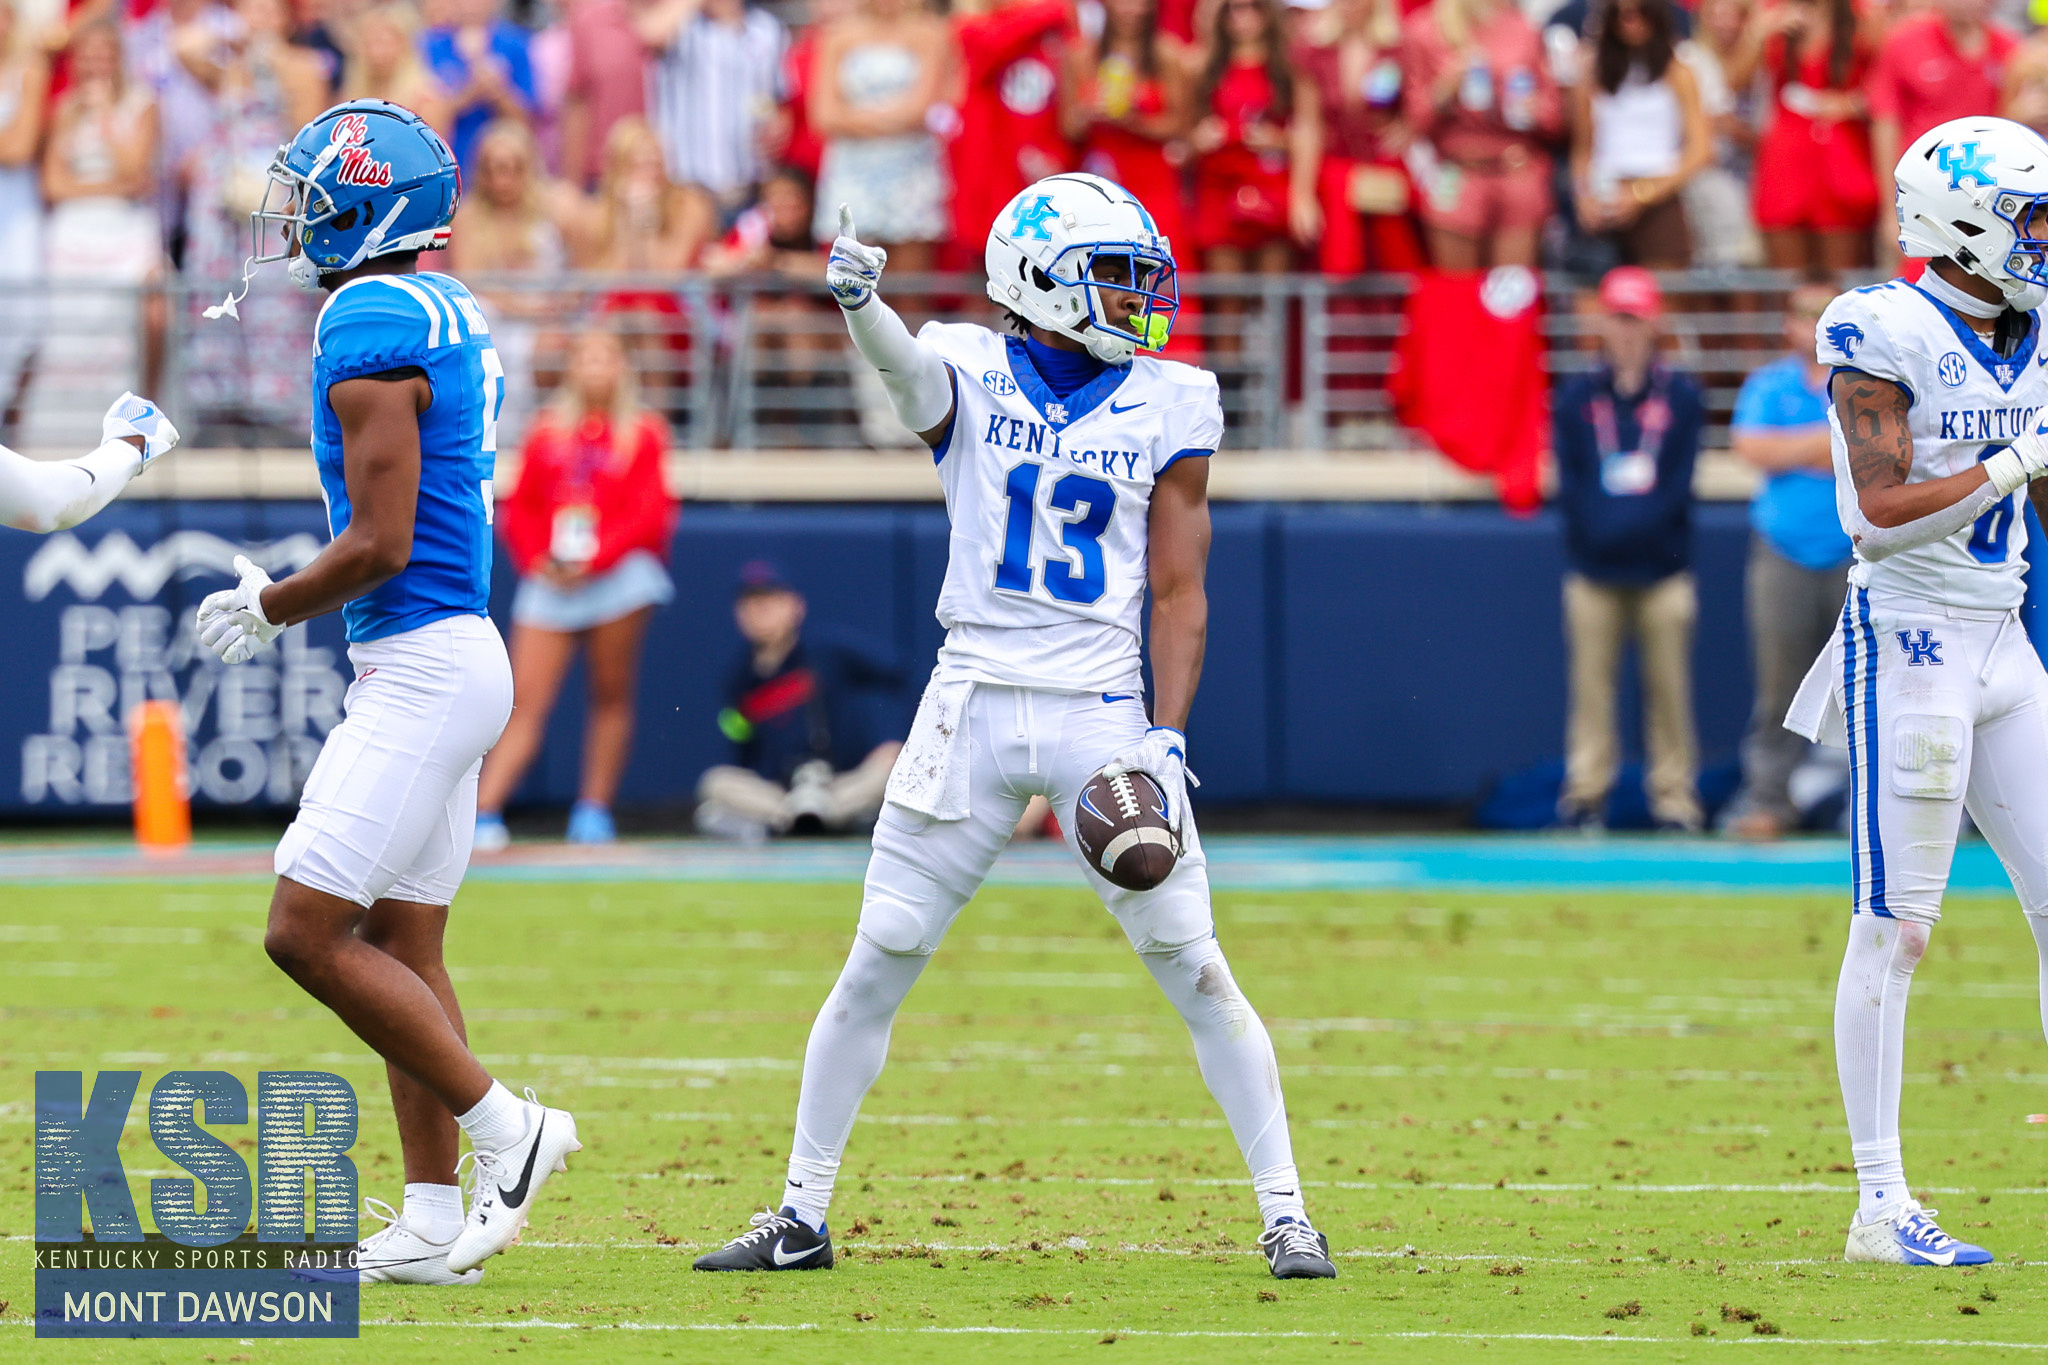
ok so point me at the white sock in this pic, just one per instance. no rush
(808, 1191)
(1870, 1045)
(433, 1211)
(1881, 1177)
(1279, 1192)
(497, 1121)
(1236, 1057)
(848, 1044)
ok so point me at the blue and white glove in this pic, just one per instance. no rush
(1161, 755)
(232, 623)
(853, 270)
(132, 416)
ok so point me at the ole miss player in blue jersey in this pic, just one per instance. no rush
(406, 395)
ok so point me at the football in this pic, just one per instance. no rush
(1120, 825)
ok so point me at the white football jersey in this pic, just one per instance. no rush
(1966, 403)
(1050, 502)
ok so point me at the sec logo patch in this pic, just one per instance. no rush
(1002, 386)
(1952, 369)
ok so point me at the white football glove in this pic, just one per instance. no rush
(232, 623)
(853, 270)
(2019, 463)
(1161, 755)
(132, 416)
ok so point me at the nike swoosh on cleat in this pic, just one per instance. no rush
(781, 1259)
(1120, 411)
(1933, 1258)
(516, 1196)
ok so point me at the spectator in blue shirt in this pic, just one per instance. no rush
(482, 61)
(1798, 556)
(1626, 437)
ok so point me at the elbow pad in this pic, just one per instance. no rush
(1874, 542)
(920, 386)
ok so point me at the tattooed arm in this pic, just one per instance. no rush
(1880, 446)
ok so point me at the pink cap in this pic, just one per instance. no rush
(1632, 291)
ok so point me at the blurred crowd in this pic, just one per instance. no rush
(1342, 135)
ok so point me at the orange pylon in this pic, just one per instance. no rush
(163, 806)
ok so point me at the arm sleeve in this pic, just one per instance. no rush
(1882, 542)
(919, 383)
(54, 495)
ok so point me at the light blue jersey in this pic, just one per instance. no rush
(377, 323)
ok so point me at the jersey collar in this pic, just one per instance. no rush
(1059, 412)
(2004, 372)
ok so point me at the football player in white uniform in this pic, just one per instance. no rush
(1939, 390)
(55, 495)
(1076, 476)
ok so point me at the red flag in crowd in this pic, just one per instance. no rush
(1469, 375)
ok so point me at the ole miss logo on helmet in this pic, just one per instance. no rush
(357, 165)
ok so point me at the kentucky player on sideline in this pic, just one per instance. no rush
(407, 391)
(1938, 389)
(50, 495)
(1076, 476)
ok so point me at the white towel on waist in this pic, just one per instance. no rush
(930, 776)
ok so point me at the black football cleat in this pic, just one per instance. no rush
(1296, 1251)
(777, 1241)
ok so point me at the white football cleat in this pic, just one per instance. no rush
(396, 1254)
(1908, 1235)
(503, 1184)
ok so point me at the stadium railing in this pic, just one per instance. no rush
(760, 363)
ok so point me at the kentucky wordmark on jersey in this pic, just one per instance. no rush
(378, 323)
(1966, 402)
(1050, 501)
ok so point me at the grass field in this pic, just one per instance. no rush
(1533, 1125)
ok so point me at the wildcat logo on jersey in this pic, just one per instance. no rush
(1924, 650)
(1845, 337)
(1963, 162)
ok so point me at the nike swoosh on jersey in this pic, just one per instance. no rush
(516, 1196)
(1120, 411)
(781, 1259)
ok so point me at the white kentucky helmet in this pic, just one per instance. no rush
(1055, 248)
(1975, 190)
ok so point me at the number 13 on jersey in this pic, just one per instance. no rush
(1078, 510)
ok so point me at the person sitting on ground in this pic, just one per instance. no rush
(815, 725)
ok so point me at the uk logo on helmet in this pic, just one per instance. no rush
(1030, 219)
(1963, 162)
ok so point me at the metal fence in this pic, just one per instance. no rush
(763, 362)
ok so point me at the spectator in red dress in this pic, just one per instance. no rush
(588, 527)
(1946, 62)
(1353, 59)
(1816, 192)
(1123, 103)
(1009, 103)
(1257, 138)
(1476, 84)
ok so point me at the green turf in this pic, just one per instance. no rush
(1498, 1103)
